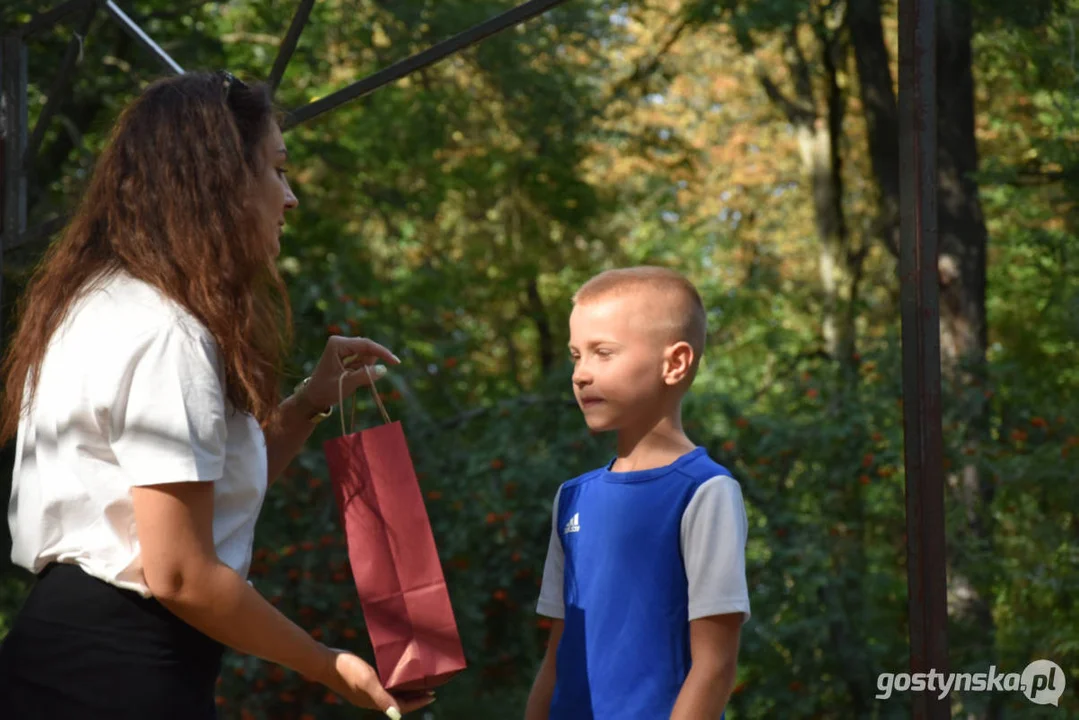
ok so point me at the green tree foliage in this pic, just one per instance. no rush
(452, 214)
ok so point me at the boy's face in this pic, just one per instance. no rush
(620, 351)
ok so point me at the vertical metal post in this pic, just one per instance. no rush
(13, 120)
(926, 576)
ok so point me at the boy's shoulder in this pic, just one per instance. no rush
(700, 467)
(584, 478)
(694, 468)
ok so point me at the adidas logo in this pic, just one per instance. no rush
(574, 525)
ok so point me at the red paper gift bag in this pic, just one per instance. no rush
(395, 564)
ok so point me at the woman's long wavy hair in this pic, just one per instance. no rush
(169, 203)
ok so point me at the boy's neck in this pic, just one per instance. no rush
(651, 447)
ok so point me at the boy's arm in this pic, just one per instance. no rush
(714, 647)
(714, 534)
(539, 699)
(551, 604)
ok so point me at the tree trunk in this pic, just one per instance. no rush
(818, 143)
(819, 134)
(872, 61)
(962, 229)
(964, 328)
(538, 312)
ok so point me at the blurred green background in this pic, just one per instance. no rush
(751, 145)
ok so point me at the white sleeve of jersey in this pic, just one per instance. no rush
(551, 602)
(714, 533)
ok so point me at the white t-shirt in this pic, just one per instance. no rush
(130, 393)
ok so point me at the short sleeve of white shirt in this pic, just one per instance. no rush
(168, 422)
(551, 603)
(714, 534)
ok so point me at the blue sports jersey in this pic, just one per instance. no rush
(633, 558)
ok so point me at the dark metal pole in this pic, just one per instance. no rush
(431, 55)
(142, 38)
(42, 231)
(4, 161)
(924, 455)
(13, 121)
(288, 45)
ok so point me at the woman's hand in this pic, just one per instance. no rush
(357, 682)
(345, 355)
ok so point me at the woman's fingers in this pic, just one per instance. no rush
(382, 699)
(364, 376)
(360, 683)
(408, 706)
(329, 384)
(363, 348)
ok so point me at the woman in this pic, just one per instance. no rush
(149, 426)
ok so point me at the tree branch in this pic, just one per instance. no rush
(648, 67)
(799, 67)
(796, 110)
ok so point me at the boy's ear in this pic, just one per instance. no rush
(679, 362)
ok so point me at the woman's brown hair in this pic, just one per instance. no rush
(168, 204)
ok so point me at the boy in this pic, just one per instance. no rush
(645, 573)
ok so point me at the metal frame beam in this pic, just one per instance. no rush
(288, 45)
(142, 38)
(13, 121)
(923, 436)
(521, 13)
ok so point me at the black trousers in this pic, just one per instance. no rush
(81, 649)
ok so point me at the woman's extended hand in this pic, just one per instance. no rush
(357, 682)
(346, 355)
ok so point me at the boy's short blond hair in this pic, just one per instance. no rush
(689, 321)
